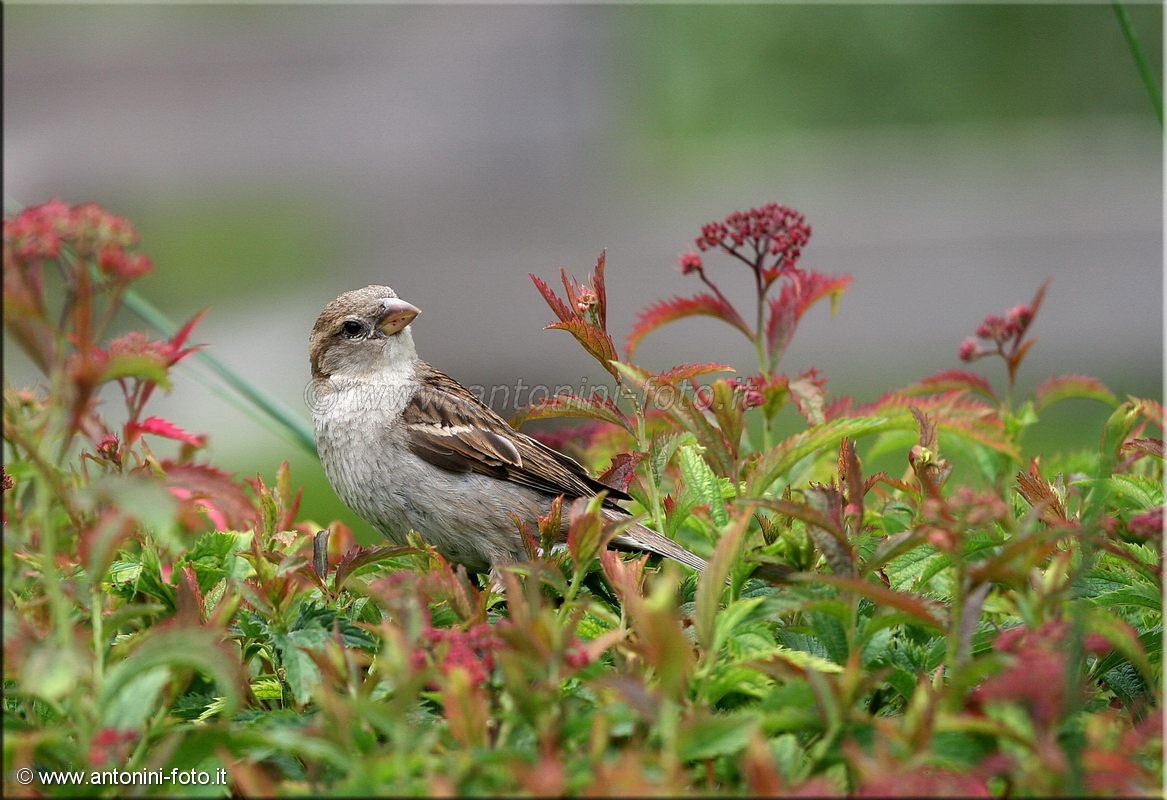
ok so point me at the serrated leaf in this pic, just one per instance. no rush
(598, 344)
(165, 428)
(798, 294)
(1141, 595)
(267, 689)
(700, 478)
(684, 372)
(663, 448)
(666, 311)
(1064, 387)
(922, 609)
(358, 557)
(801, 661)
(782, 457)
(949, 380)
(622, 469)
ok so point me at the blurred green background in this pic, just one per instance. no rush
(950, 157)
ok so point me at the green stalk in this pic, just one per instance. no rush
(1141, 63)
(96, 622)
(653, 489)
(764, 366)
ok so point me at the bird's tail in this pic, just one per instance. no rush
(639, 537)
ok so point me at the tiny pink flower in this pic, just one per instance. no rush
(691, 262)
(968, 349)
(1021, 314)
(992, 327)
(586, 299)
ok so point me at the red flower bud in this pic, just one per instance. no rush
(691, 262)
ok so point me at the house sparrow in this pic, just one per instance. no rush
(409, 448)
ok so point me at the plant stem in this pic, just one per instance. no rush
(95, 608)
(653, 491)
(292, 426)
(1144, 68)
(763, 363)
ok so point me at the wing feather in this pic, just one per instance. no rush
(453, 430)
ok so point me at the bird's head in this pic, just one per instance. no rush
(361, 333)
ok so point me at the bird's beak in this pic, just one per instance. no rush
(397, 315)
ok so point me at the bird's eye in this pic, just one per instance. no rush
(353, 329)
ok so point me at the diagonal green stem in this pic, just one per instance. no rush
(1145, 71)
(295, 428)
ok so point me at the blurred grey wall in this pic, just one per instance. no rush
(950, 158)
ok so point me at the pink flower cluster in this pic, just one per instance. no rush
(1149, 524)
(771, 229)
(1038, 676)
(38, 232)
(471, 649)
(998, 331)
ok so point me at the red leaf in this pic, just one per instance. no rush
(1039, 493)
(955, 411)
(622, 470)
(163, 427)
(181, 335)
(919, 607)
(683, 372)
(667, 311)
(601, 289)
(803, 290)
(598, 343)
(1146, 446)
(590, 329)
(809, 393)
(1062, 387)
(191, 605)
(949, 380)
(359, 556)
(558, 306)
(221, 497)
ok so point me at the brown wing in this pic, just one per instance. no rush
(450, 428)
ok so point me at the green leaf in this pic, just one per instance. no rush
(729, 620)
(713, 736)
(1141, 595)
(129, 709)
(300, 671)
(201, 649)
(712, 583)
(137, 365)
(700, 478)
(1124, 639)
(803, 661)
(829, 630)
(663, 449)
(267, 689)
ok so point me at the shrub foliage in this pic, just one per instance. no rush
(978, 622)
